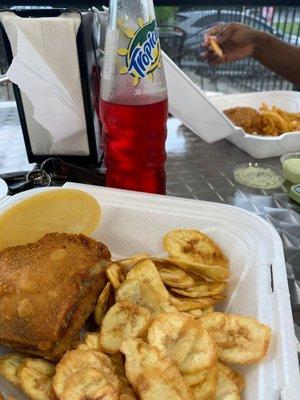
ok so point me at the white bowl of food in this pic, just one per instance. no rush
(269, 121)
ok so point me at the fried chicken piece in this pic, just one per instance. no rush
(245, 117)
(47, 291)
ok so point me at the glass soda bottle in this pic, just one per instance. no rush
(133, 99)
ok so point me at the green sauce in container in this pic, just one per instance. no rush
(291, 167)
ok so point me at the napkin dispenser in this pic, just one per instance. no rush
(54, 66)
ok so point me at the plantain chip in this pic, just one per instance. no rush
(216, 272)
(90, 341)
(80, 366)
(35, 377)
(128, 263)
(226, 387)
(116, 271)
(118, 361)
(194, 246)
(9, 365)
(198, 313)
(128, 394)
(122, 321)
(240, 340)
(206, 389)
(184, 304)
(232, 375)
(197, 378)
(207, 310)
(89, 384)
(146, 272)
(204, 289)
(115, 274)
(143, 286)
(172, 275)
(184, 340)
(152, 375)
(103, 303)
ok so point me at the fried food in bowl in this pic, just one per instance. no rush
(267, 121)
(244, 117)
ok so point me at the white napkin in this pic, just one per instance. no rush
(45, 91)
(45, 67)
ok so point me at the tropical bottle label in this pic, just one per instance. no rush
(142, 55)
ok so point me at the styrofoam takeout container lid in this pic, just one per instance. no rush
(191, 105)
(3, 189)
(257, 286)
(262, 146)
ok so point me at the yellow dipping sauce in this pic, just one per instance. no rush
(291, 169)
(62, 210)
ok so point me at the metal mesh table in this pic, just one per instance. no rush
(12, 148)
(201, 171)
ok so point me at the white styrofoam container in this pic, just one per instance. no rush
(135, 222)
(262, 146)
(203, 114)
(191, 105)
(3, 189)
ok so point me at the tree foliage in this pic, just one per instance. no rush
(166, 15)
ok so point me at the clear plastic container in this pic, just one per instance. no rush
(291, 167)
(257, 175)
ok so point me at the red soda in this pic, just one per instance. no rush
(133, 99)
(134, 145)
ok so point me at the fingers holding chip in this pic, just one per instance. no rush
(215, 47)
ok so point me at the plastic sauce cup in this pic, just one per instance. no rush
(291, 167)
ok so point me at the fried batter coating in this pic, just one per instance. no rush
(47, 291)
(245, 117)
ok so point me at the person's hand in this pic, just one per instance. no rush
(236, 41)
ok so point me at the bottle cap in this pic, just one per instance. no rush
(257, 175)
